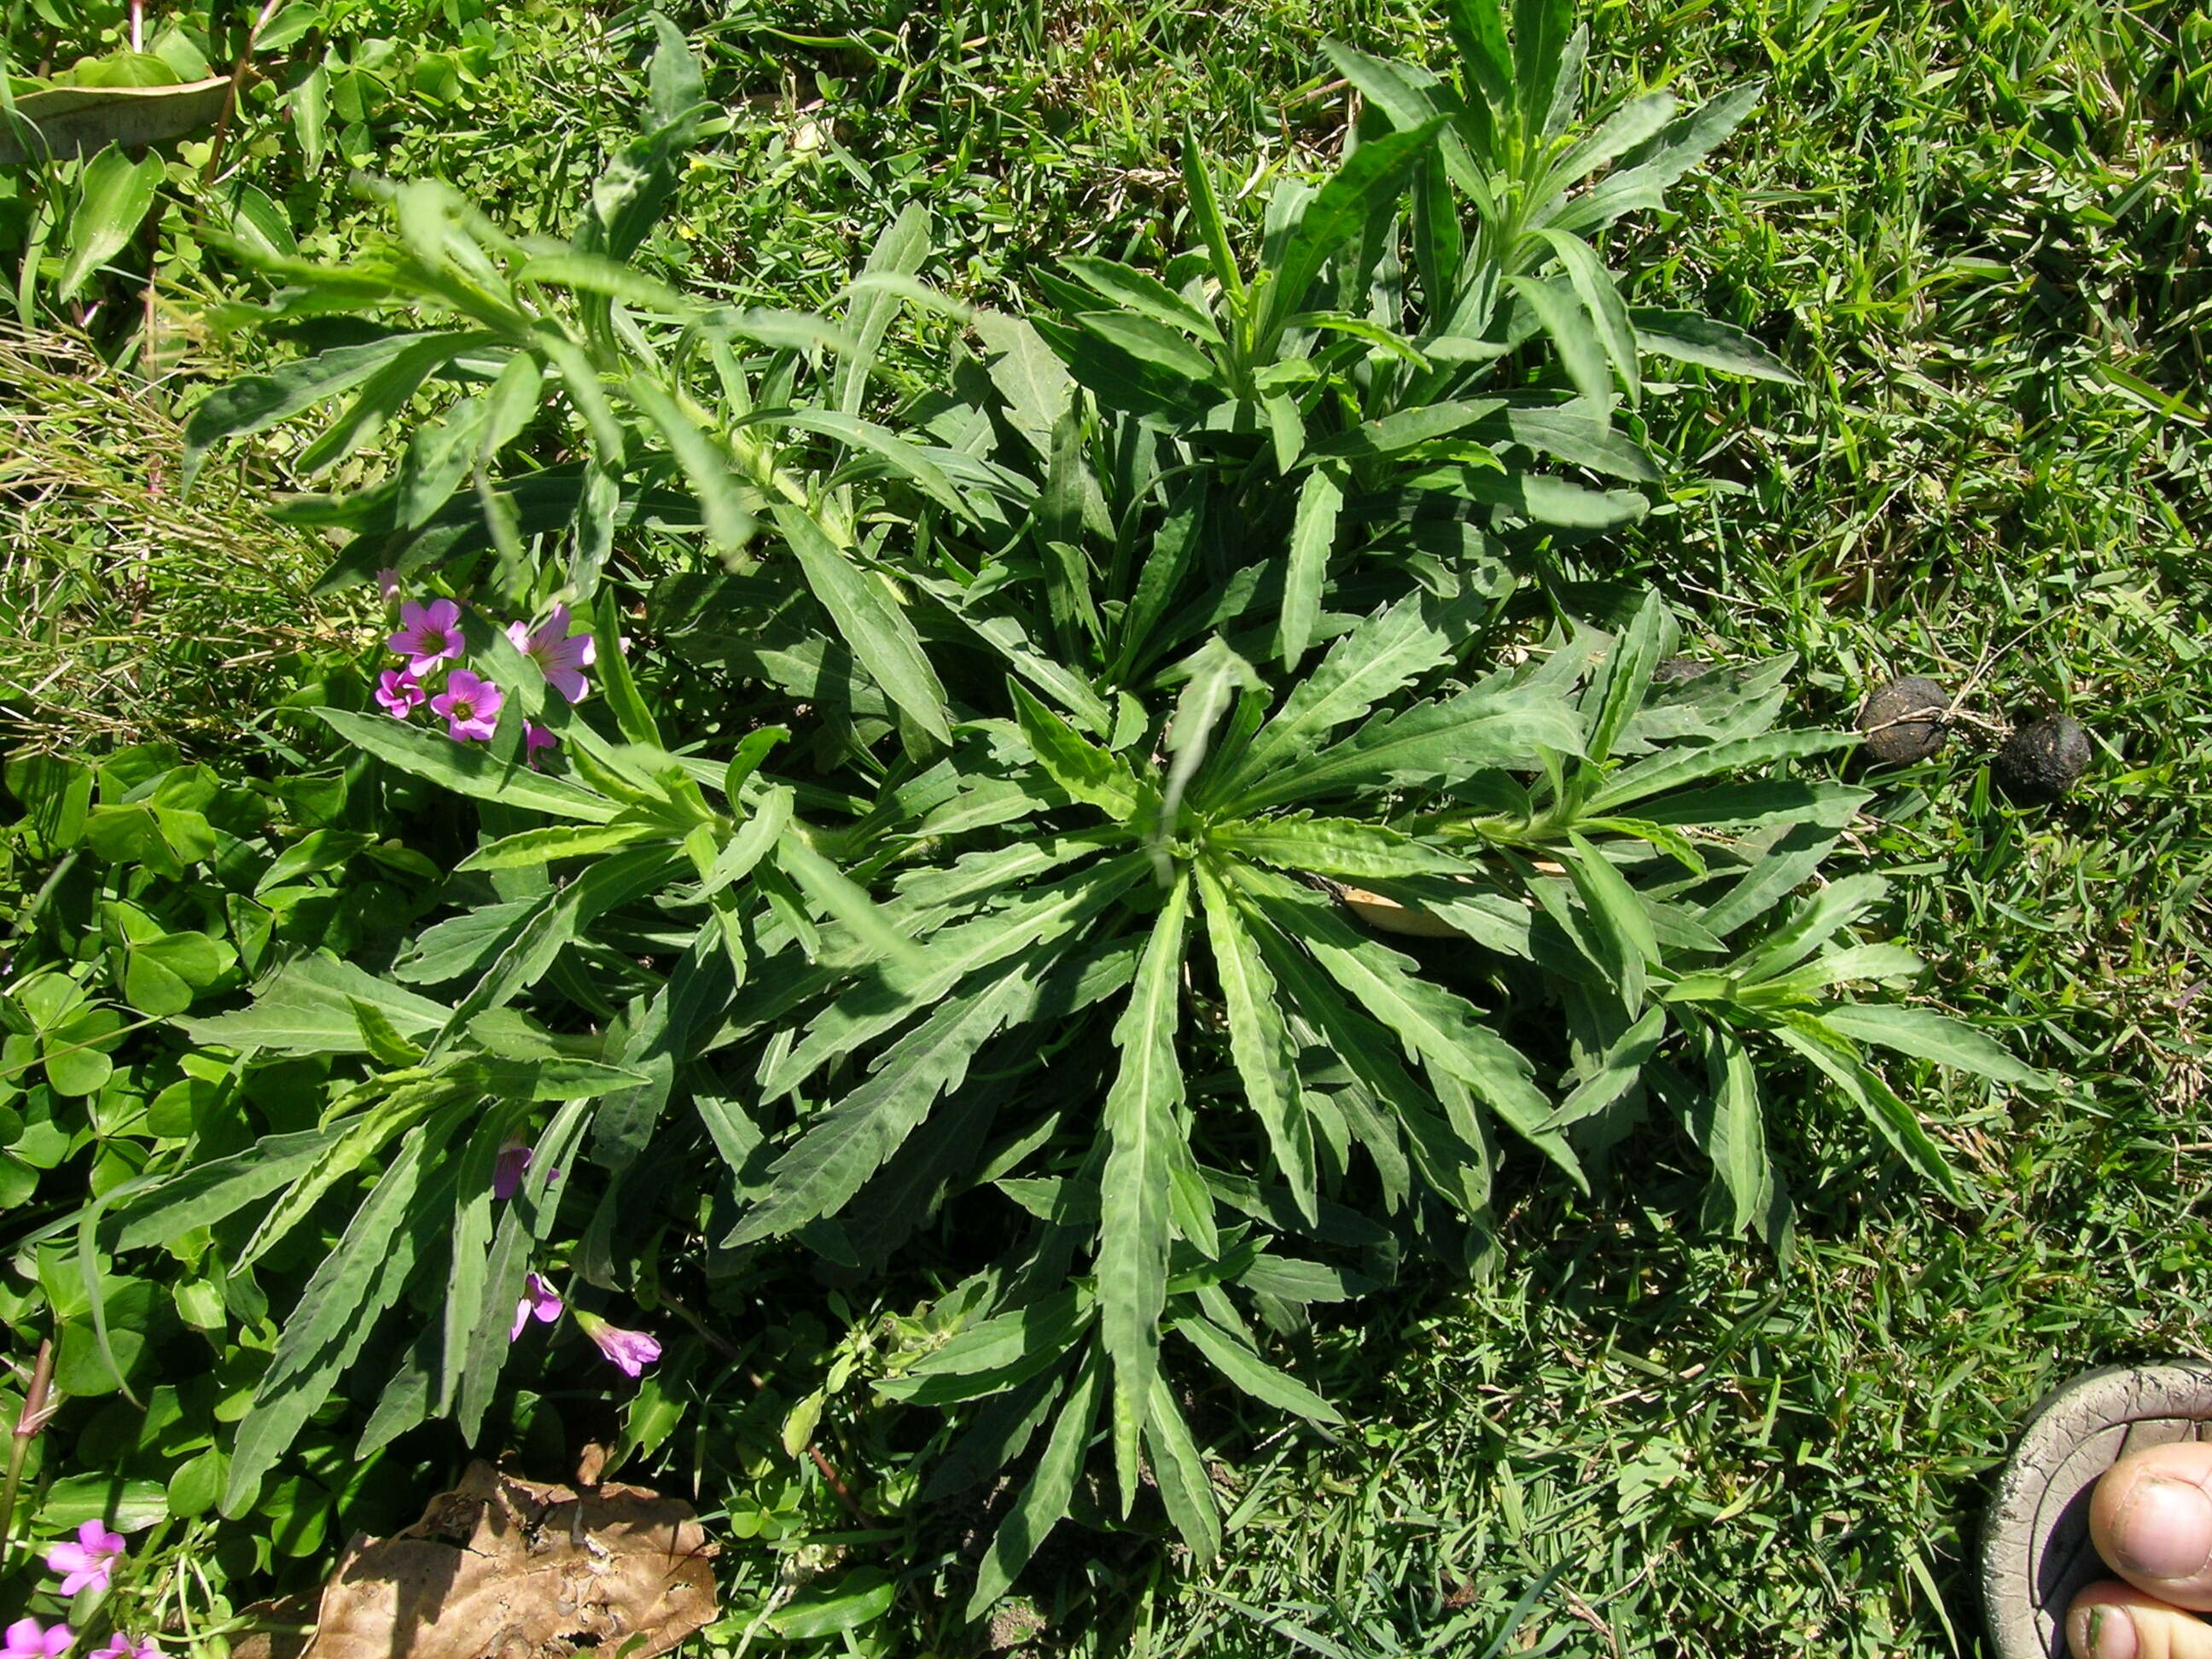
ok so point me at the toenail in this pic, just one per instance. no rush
(2104, 1632)
(2163, 1530)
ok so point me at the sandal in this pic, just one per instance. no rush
(2036, 1552)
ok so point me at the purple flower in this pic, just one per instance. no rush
(632, 1350)
(26, 1640)
(513, 1163)
(539, 1303)
(507, 1173)
(120, 1646)
(400, 693)
(428, 634)
(560, 656)
(470, 704)
(535, 737)
(387, 583)
(91, 1560)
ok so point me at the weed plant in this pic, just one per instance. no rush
(1638, 1431)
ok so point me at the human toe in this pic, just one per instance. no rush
(2151, 1520)
(2113, 1620)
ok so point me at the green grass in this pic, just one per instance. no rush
(1978, 232)
(128, 612)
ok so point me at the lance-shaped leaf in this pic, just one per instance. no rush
(1313, 533)
(1781, 864)
(1253, 1374)
(898, 989)
(1151, 343)
(1617, 1072)
(1180, 1470)
(876, 629)
(1673, 767)
(1127, 285)
(1570, 432)
(1839, 1058)
(1442, 742)
(1811, 924)
(1337, 213)
(899, 251)
(705, 463)
(997, 1353)
(1564, 316)
(857, 1136)
(1634, 123)
(1690, 337)
(558, 919)
(896, 453)
(258, 401)
(307, 1006)
(1043, 1502)
(466, 768)
(1725, 1122)
(1008, 636)
(1642, 182)
(1260, 1042)
(338, 1309)
(205, 1194)
(1440, 1028)
(1350, 847)
(1594, 286)
(1619, 915)
(1080, 767)
(1926, 1035)
(1386, 652)
(843, 898)
(1539, 498)
(524, 1223)
(1134, 1230)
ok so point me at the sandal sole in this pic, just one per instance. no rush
(2036, 1552)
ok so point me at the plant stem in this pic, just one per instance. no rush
(28, 1422)
(230, 99)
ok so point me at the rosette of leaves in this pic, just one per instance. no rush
(1433, 323)
(1139, 1008)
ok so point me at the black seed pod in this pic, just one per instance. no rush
(1903, 721)
(2041, 761)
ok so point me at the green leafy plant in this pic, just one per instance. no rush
(1199, 624)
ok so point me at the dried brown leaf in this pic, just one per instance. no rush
(501, 1568)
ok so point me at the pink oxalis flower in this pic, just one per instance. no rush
(27, 1640)
(539, 1302)
(120, 1646)
(631, 1350)
(429, 634)
(561, 656)
(387, 583)
(468, 703)
(535, 737)
(399, 692)
(91, 1560)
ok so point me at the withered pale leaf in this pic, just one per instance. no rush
(501, 1568)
